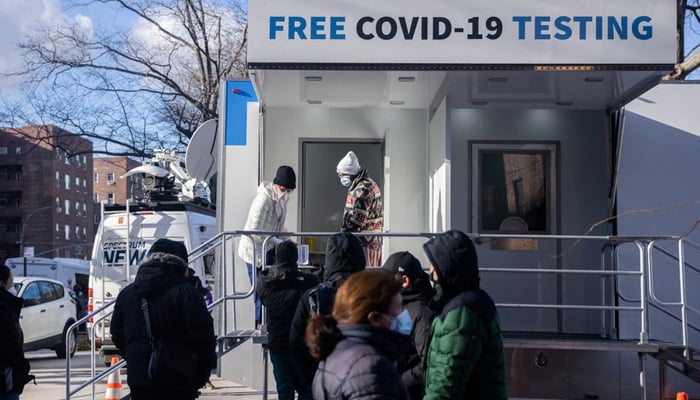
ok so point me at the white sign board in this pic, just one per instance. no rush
(28, 251)
(477, 33)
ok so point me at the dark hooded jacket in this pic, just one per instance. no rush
(465, 357)
(344, 257)
(362, 366)
(177, 314)
(417, 299)
(279, 290)
(12, 340)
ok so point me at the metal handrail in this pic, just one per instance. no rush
(644, 244)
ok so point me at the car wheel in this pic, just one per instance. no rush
(61, 349)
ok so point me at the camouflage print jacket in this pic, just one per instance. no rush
(364, 210)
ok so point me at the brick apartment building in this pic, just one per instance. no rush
(46, 201)
(108, 186)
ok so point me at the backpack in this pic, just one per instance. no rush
(321, 298)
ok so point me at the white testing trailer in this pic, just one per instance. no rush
(500, 117)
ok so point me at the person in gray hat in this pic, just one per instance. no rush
(267, 213)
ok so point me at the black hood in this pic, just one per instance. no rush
(343, 255)
(158, 274)
(454, 257)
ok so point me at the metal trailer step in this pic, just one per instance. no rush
(234, 339)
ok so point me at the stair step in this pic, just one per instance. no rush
(240, 336)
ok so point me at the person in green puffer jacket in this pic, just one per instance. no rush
(465, 357)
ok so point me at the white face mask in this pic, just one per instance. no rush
(345, 181)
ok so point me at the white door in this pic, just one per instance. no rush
(32, 318)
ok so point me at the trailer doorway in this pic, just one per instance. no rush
(322, 195)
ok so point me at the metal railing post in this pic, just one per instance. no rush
(643, 298)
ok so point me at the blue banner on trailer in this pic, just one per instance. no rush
(238, 95)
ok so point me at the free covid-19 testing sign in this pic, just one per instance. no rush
(462, 32)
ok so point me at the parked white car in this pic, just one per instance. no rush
(47, 313)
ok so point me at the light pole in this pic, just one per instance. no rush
(21, 234)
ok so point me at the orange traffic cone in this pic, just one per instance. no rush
(681, 396)
(114, 383)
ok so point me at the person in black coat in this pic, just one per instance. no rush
(344, 257)
(11, 339)
(279, 289)
(417, 296)
(178, 315)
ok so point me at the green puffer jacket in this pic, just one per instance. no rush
(465, 357)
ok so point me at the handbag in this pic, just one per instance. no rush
(170, 361)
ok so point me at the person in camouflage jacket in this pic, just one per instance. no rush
(465, 357)
(364, 208)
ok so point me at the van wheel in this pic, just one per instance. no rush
(61, 349)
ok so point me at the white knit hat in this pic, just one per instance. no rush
(349, 164)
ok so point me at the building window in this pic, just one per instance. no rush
(110, 178)
(58, 231)
(18, 150)
(66, 232)
(67, 204)
(110, 198)
(84, 233)
(96, 177)
(97, 197)
(66, 158)
(67, 181)
(77, 208)
(84, 162)
(58, 179)
(77, 232)
(84, 185)
(77, 184)
(18, 176)
(515, 187)
(3, 151)
(84, 210)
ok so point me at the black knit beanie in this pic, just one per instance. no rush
(286, 177)
(286, 252)
(171, 247)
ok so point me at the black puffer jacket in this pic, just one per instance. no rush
(12, 340)
(361, 366)
(177, 314)
(279, 290)
(344, 257)
(417, 300)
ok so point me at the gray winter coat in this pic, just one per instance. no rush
(362, 366)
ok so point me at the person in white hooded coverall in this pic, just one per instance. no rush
(267, 213)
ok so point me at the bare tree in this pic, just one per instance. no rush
(145, 83)
(688, 23)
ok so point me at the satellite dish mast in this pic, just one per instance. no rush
(200, 158)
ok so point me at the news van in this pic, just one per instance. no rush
(127, 231)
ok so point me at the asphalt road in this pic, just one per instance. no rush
(51, 376)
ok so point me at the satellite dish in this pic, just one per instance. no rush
(200, 158)
(148, 170)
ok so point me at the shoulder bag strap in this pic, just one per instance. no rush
(147, 317)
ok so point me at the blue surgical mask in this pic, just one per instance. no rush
(402, 323)
(345, 181)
